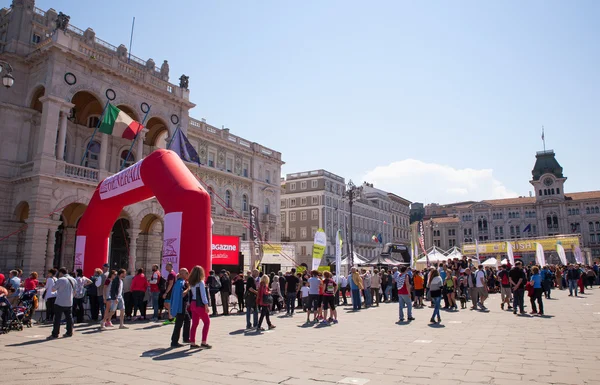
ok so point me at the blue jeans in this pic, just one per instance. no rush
(404, 299)
(572, 286)
(155, 304)
(290, 302)
(101, 305)
(436, 307)
(368, 298)
(518, 299)
(388, 293)
(251, 310)
(355, 299)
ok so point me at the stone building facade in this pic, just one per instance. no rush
(50, 165)
(552, 211)
(317, 199)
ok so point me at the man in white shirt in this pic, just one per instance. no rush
(49, 295)
(343, 288)
(480, 287)
(64, 289)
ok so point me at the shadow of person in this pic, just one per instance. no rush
(27, 343)
(155, 352)
(436, 326)
(177, 354)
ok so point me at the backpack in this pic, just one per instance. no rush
(162, 284)
(215, 283)
(505, 280)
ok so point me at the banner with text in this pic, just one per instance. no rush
(521, 246)
(319, 248)
(256, 250)
(171, 242)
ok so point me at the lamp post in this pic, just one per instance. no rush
(6, 70)
(352, 191)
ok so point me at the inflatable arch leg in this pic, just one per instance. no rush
(187, 222)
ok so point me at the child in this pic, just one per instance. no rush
(305, 290)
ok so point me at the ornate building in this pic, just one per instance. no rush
(551, 211)
(50, 165)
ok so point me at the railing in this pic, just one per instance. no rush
(269, 218)
(74, 29)
(77, 172)
(38, 11)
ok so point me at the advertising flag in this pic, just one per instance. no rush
(510, 254)
(319, 248)
(256, 249)
(539, 254)
(578, 256)
(561, 253)
(338, 256)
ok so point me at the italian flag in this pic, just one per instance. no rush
(117, 123)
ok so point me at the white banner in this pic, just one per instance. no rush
(319, 247)
(510, 254)
(123, 181)
(79, 252)
(578, 256)
(338, 256)
(539, 254)
(171, 242)
(561, 254)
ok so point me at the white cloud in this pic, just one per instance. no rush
(430, 182)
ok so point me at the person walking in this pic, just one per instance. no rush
(139, 285)
(573, 275)
(179, 309)
(547, 280)
(538, 290)
(435, 291)
(265, 301)
(100, 286)
(375, 286)
(63, 304)
(154, 291)
(291, 289)
(505, 292)
(128, 295)
(404, 288)
(366, 276)
(199, 307)
(251, 300)
(276, 292)
(517, 281)
(225, 291)
(239, 283)
(329, 289)
(450, 287)
(344, 289)
(480, 286)
(171, 279)
(81, 282)
(214, 287)
(50, 295)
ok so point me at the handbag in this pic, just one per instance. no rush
(267, 299)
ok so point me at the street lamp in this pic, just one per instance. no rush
(7, 79)
(353, 192)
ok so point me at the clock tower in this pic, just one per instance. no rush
(548, 180)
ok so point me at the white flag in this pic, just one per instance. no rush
(338, 256)
(561, 253)
(509, 253)
(578, 256)
(539, 254)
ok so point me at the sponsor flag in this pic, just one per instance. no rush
(318, 248)
(182, 146)
(578, 256)
(338, 256)
(117, 123)
(561, 253)
(539, 254)
(422, 241)
(510, 254)
(256, 249)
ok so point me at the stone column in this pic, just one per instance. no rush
(139, 152)
(133, 237)
(36, 245)
(62, 134)
(103, 152)
(68, 248)
(50, 250)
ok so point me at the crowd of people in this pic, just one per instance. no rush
(189, 297)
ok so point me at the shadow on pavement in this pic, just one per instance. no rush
(155, 352)
(436, 326)
(150, 327)
(27, 343)
(237, 332)
(175, 355)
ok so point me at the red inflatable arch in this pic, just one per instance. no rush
(187, 222)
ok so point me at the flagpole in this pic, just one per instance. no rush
(87, 148)
(134, 139)
(131, 39)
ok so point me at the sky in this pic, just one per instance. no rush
(435, 101)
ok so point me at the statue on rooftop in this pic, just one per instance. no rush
(184, 82)
(164, 71)
(62, 21)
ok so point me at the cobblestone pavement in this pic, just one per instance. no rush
(496, 347)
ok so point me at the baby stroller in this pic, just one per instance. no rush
(27, 305)
(10, 320)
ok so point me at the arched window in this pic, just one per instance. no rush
(591, 226)
(597, 210)
(540, 192)
(597, 226)
(92, 156)
(557, 190)
(587, 210)
(244, 202)
(93, 120)
(552, 191)
(228, 198)
(130, 159)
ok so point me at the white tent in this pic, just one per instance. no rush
(357, 260)
(434, 255)
(491, 262)
(504, 262)
(454, 253)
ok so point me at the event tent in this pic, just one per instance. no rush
(491, 262)
(357, 260)
(455, 253)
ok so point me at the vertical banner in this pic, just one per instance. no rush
(577, 254)
(510, 254)
(539, 254)
(561, 253)
(338, 256)
(256, 250)
(318, 248)
(477, 250)
(79, 252)
(171, 242)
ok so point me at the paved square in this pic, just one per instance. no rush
(367, 347)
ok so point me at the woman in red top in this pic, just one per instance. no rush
(138, 290)
(263, 291)
(31, 283)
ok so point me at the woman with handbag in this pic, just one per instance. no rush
(199, 307)
(265, 301)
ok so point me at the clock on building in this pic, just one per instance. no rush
(548, 181)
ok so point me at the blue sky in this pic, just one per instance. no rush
(436, 101)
